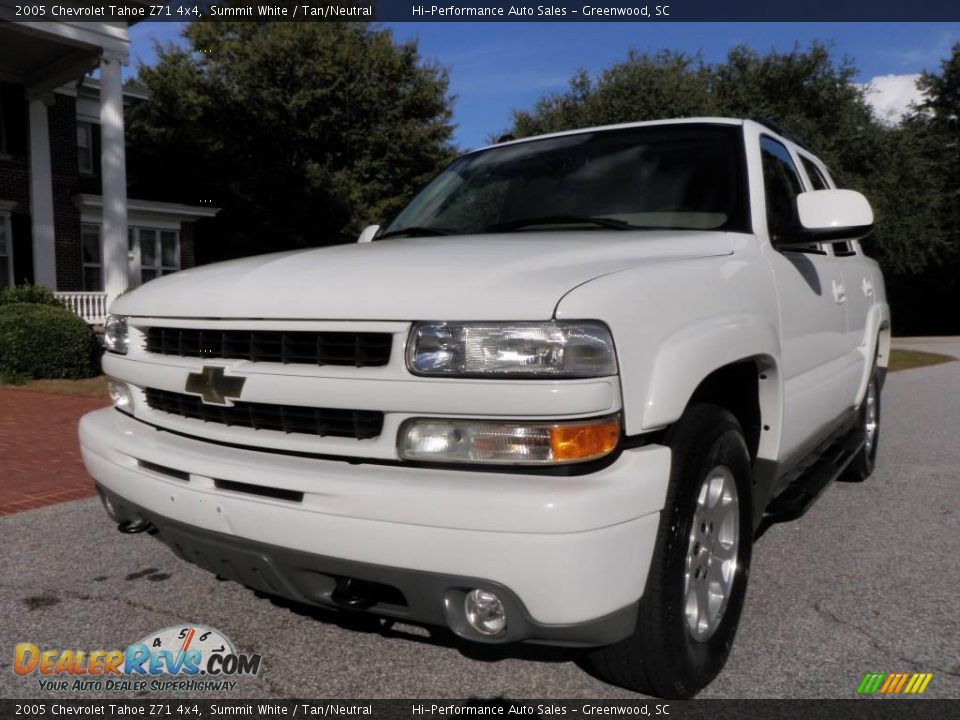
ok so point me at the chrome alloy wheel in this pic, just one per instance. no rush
(871, 420)
(712, 552)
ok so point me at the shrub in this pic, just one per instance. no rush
(27, 293)
(41, 341)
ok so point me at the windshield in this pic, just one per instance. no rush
(687, 177)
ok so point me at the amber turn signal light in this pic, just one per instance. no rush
(584, 441)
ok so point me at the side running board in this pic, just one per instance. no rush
(803, 492)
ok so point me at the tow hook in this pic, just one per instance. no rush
(349, 594)
(131, 527)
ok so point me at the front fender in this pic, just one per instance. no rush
(689, 355)
(676, 322)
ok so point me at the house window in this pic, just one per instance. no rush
(159, 251)
(85, 148)
(92, 257)
(6, 251)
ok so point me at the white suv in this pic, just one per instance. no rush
(554, 401)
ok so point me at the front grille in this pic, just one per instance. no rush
(358, 424)
(359, 349)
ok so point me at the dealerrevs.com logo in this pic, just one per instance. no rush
(176, 658)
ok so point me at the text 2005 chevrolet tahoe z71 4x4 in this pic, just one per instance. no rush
(554, 401)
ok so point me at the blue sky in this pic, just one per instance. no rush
(498, 67)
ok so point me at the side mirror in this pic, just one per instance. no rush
(369, 232)
(827, 215)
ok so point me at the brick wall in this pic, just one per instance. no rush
(15, 182)
(187, 255)
(63, 154)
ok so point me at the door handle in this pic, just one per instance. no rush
(839, 292)
(867, 287)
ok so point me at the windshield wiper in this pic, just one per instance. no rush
(603, 222)
(415, 231)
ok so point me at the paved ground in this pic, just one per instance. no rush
(39, 454)
(866, 581)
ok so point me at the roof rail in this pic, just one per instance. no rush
(771, 124)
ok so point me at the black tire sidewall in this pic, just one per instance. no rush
(700, 661)
(862, 465)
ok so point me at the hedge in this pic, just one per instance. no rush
(27, 293)
(43, 341)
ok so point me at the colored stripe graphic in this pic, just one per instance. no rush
(870, 683)
(921, 682)
(894, 683)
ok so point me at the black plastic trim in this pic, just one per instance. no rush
(164, 470)
(261, 490)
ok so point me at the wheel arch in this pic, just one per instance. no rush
(732, 363)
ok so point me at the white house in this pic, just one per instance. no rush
(65, 219)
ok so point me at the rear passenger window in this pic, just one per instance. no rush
(781, 183)
(817, 179)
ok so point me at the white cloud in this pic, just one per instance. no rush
(890, 95)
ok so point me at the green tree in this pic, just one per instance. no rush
(927, 294)
(301, 132)
(938, 118)
(643, 87)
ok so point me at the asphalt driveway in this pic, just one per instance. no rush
(865, 582)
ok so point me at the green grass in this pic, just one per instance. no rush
(89, 387)
(901, 359)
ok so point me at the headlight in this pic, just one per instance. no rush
(121, 395)
(526, 349)
(510, 443)
(115, 337)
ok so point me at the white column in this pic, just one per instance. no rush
(41, 196)
(113, 168)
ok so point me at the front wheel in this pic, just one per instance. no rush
(697, 580)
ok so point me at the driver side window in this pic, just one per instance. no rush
(781, 183)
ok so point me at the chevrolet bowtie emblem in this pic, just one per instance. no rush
(213, 387)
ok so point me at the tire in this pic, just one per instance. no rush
(861, 467)
(669, 655)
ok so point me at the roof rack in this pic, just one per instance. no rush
(771, 124)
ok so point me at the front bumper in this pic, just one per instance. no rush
(415, 595)
(568, 555)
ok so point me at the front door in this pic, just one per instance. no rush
(812, 315)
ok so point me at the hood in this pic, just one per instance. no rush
(482, 277)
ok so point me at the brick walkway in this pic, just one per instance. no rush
(39, 452)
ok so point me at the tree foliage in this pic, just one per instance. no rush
(301, 132)
(937, 120)
(930, 294)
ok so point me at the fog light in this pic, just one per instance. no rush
(121, 395)
(485, 612)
